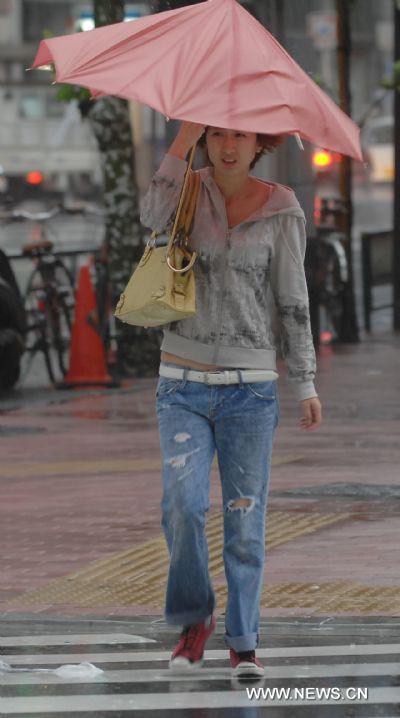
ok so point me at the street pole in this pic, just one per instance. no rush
(349, 328)
(396, 218)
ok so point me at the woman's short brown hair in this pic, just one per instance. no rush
(268, 144)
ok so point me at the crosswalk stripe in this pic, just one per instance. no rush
(137, 657)
(171, 701)
(73, 639)
(305, 667)
(152, 676)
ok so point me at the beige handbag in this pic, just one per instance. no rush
(162, 287)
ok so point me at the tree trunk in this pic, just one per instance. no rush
(349, 328)
(137, 348)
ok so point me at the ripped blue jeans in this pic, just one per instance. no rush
(238, 422)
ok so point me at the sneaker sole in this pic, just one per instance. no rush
(182, 665)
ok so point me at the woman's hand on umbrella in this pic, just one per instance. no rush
(312, 417)
(189, 133)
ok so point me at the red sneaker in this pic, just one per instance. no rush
(245, 664)
(188, 654)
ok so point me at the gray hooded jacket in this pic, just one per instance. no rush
(250, 280)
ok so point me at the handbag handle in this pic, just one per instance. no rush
(182, 197)
(186, 204)
(188, 212)
(186, 209)
(192, 258)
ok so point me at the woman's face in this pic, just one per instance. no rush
(231, 151)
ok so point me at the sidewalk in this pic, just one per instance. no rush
(80, 522)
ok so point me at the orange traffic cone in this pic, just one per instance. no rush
(87, 364)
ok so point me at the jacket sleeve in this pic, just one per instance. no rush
(162, 197)
(289, 287)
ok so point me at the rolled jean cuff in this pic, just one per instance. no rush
(242, 643)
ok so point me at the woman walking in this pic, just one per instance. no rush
(217, 387)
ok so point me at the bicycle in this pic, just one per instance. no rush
(327, 269)
(105, 309)
(49, 295)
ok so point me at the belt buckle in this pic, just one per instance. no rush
(210, 375)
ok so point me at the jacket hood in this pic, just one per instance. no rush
(282, 200)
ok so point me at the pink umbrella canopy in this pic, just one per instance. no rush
(211, 63)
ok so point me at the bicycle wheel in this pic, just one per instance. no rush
(333, 292)
(49, 303)
(63, 302)
(104, 307)
(63, 278)
(58, 323)
(37, 338)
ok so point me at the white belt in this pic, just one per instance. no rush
(233, 376)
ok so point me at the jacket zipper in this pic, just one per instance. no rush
(221, 300)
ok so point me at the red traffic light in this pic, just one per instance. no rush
(35, 177)
(322, 158)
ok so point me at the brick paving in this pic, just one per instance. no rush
(79, 482)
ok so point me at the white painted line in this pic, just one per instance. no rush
(84, 639)
(171, 701)
(140, 656)
(151, 676)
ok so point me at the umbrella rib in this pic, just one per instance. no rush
(260, 33)
(140, 34)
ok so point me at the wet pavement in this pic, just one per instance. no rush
(83, 561)
(352, 664)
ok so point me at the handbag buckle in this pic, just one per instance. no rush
(157, 240)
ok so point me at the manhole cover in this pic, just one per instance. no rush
(20, 430)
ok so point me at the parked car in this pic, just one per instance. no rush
(377, 140)
(12, 325)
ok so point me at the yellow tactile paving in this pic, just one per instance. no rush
(137, 575)
(102, 466)
(335, 597)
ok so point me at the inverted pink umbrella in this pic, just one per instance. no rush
(211, 63)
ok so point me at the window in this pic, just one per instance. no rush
(32, 107)
(380, 133)
(40, 106)
(39, 15)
